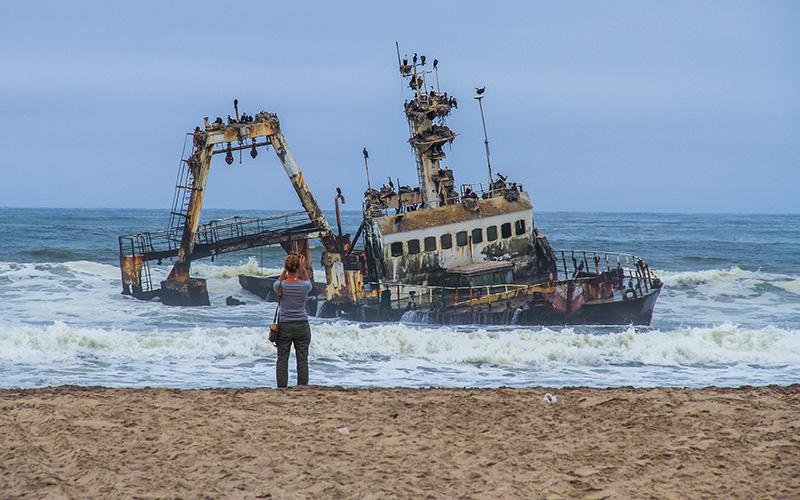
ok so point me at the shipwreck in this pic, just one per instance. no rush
(439, 252)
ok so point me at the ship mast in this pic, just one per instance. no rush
(479, 97)
(425, 113)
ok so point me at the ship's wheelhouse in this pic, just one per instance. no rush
(420, 246)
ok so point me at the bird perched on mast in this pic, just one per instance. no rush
(480, 91)
(435, 63)
(422, 60)
(415, 58)
(366, 166)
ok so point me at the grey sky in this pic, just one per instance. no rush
(594, 106)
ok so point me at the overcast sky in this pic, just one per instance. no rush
(594, 106)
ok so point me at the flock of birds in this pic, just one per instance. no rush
(421, 59)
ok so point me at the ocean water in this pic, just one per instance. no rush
(729, 313)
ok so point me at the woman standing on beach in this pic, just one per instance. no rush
(293, 323)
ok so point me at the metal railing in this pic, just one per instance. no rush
(486, 190)
(627, 271)
(634, 270)
(155, 242)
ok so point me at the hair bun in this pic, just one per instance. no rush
(292, 263)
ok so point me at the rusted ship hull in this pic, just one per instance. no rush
(638, 311)
(262, 287)
(611, 295)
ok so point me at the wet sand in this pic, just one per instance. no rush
(328, 442)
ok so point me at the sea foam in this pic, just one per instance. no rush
(519, 347)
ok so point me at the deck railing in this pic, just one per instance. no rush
(162, 242)
(636, 273)
(632, 273)
(485, 190)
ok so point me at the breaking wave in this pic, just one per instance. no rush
(208, 270)
(522, 347)
(702, 277)
(60, 341)
(731, 275)
(792, 286)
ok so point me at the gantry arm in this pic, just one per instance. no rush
(263, 125)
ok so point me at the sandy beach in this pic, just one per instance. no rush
(329, 442)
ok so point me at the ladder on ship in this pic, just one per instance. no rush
(181, 199)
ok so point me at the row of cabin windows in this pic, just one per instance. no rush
(446, 240)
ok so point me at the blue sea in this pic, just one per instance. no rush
(729, 313)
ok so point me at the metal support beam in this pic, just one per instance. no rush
(301, 188)
(180, 272)
(266, 125)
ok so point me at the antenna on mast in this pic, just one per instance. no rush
(436, 69)
(397, 46)
(401, 65)
(366, 155)
(479, 97)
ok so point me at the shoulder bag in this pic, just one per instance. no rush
(273, 328)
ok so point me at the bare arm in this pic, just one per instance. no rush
(303, 271)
